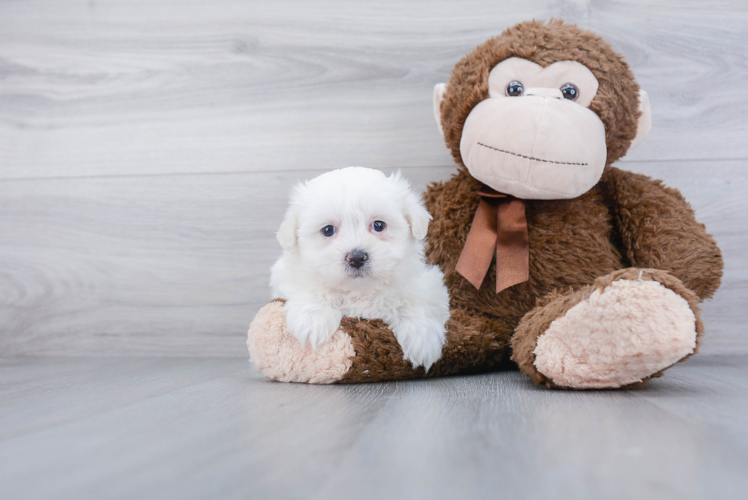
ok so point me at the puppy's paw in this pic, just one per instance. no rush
(311, 323)
(421, 339)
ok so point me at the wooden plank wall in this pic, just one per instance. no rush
(147, 147)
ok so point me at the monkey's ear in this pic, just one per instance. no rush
(286, 234)
(439, 90)
(645, 119)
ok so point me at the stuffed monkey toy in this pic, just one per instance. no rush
(581, 275)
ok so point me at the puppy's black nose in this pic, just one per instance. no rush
(356, 258)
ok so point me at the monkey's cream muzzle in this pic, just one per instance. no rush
(537, 146)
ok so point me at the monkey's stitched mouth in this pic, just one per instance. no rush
(530, 157)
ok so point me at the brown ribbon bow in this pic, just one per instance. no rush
(499, 225)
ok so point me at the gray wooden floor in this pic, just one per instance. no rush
(213, 428)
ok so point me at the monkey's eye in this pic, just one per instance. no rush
(378, 226)
(515, 89)
(570, 91)
(327, 231)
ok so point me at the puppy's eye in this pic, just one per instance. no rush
(327, 231)
(515, 89)
(570, 91)
(378, 226)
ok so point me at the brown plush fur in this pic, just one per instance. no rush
(625, 221)
(468, 350)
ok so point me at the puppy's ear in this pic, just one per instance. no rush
(418, 217)
(413, 209)
(286, 234)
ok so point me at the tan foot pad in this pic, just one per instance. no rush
(618, 336)
(279, 356)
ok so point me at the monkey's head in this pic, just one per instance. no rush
(539, 111)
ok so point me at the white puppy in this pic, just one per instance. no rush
(353, 246)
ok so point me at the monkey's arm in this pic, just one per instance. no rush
(367, 351)
(475, 343)
(659, 230)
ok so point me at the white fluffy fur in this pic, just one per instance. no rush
(395, 285)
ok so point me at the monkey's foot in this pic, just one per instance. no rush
(625, 328)
(279, 356)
